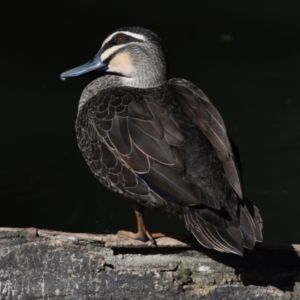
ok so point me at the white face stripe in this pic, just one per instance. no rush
(135, 35)
(113, 49)
(110, 51)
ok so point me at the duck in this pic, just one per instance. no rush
(162, 143)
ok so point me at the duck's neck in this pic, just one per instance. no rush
(108, 81)
(97, 85)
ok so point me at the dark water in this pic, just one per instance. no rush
(244, 54)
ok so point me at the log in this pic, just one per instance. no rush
(44, 264)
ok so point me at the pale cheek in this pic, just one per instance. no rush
(121, 69)
(121, 64)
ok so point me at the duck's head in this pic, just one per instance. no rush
(135, 54)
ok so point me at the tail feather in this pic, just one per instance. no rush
(222, 231)
(258, 225)
(247, 226)
(256, 219)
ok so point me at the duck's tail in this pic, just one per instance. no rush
(229, 229)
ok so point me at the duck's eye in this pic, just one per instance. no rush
(120, 38)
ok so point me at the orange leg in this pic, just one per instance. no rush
(142, 233)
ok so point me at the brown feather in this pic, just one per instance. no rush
(208, 119)
(119, 136)
(167, 148)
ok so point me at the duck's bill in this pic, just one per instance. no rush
(95, 65)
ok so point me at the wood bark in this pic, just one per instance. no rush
(43, 264)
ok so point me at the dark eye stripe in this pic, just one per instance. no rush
(120, 38)
(112, 42)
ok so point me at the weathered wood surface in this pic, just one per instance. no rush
(43, 264)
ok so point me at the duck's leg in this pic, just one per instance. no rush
(142, 233)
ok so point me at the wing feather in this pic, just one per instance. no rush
(136, 145)
(119, 136)
(202, 112)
